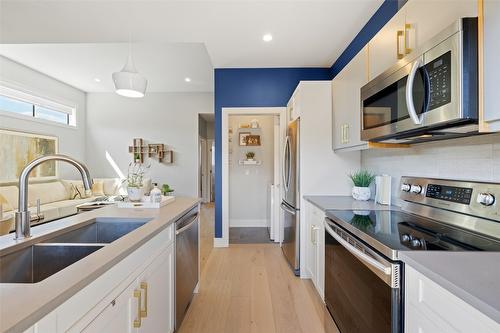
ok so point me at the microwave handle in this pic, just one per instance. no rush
(409, 92)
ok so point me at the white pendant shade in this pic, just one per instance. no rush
(128, 82)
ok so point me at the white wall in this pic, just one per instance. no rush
(168, 118)
(472, 158)
(71, 139)
(248, 184)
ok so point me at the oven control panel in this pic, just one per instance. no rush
(468, 197)
(449, 193)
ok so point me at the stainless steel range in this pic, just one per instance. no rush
(364, 278)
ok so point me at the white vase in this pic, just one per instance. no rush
(135, 193)
(361, 193)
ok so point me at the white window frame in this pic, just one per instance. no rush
(37, 100)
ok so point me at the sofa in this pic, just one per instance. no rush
(58, 198)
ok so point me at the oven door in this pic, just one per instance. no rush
(423, 93)
(363, 291)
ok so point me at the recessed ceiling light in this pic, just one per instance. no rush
(187, 79)
(267, 37)
(96, 79)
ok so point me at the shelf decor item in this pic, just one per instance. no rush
(135, 181)
(243, 138)
(361, 180)
(250, 155)
(253, 140)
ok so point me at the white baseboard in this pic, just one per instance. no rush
(221, 242)
(248, 223)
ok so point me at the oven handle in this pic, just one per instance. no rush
(409, 92)
(387, 270)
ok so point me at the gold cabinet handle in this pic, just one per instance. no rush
(144, 312)
(137, 320)
(405, 37)
(399, 34)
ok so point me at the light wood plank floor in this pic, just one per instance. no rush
(250, 288)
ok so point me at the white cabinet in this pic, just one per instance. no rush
(386, 45)
(422, 26)
(429, 308)
(146, 305)
(315, 247)
(346, 103)
(491, 70)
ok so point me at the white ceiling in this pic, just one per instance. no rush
(164, 65)
(305, 33)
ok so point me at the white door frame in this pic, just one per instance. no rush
(226, 112)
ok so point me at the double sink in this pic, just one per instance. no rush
(38, 261)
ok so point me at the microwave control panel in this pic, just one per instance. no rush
(439, 71)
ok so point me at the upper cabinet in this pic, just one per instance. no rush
(346, 103)
(387, 46)
(426, 18)
(412, 26)
(489, 112)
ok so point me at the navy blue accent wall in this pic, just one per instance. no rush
(252, 87)
(385, 12)
(271, 87)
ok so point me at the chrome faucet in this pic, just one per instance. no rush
(23, 225)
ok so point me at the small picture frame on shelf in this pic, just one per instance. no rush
(243, 138)
(253, 140)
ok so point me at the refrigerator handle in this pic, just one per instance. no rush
(284, 165)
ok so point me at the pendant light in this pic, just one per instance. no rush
(128, 82)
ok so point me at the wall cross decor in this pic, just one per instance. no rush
(153, 150)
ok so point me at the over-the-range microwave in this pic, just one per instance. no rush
(431, 94)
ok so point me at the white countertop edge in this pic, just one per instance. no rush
(458, 291)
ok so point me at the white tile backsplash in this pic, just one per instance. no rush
(472, 158)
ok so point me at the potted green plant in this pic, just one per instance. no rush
(135, 181)
(166, 190)
(361, 180)
(250, 155)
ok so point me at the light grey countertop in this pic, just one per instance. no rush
(332, 202)
(22, 305)
(472, 276)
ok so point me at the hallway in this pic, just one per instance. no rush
(250, 288)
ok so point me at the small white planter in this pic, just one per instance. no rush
(135, 193)
(361, 193)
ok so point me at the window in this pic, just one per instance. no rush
(21, 103)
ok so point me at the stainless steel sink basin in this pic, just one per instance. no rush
(36, 262)
(101, 230)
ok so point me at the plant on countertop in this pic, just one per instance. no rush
(362, 178)
(165, 188)
(136, 172)
(250, 155)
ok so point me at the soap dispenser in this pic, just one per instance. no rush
(155, 194)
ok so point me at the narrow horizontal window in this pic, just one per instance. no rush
(52, 115)
(15, 106)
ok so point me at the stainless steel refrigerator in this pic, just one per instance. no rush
(290, 203)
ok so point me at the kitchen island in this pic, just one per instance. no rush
(72, 298)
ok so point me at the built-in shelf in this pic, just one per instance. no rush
(249, 162)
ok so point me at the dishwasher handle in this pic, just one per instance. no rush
(187, 226)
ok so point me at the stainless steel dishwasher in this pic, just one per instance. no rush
(186, 262)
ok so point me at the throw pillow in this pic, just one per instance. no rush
(98, 188)
(6, 206)
(78, 192)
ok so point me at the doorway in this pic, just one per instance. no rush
(206, 157)
(251, 174)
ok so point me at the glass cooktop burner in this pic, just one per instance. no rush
(401, 231)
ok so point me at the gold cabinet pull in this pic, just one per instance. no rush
(399, 34)
(144, 312)
(137, 320)
(406, 38)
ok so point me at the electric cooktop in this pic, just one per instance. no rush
(437, 215)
